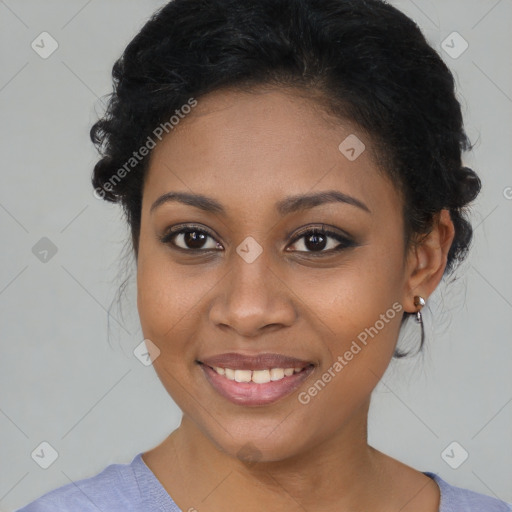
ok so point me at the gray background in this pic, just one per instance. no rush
(62, 381)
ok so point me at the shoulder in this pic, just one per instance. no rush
(114, 489)
(458, 499)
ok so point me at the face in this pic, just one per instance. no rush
(287, 273)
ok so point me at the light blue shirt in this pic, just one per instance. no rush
(133, 487)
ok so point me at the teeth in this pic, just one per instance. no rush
(276, 374)
(243, 375)
(257, 376)
(261, 376)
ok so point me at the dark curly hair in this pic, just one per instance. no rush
(363, 60)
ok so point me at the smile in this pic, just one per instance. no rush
(244, 380)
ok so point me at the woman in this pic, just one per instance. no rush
(291, 173)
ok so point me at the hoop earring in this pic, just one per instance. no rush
(419, 302)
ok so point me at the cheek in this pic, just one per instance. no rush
(167, 311)
(365, 319)
(164, 303)
(352, 297)
(360, 309)
(162, 295)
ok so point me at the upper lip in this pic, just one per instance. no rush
(258, 362)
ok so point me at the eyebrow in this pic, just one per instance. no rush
(284, 207)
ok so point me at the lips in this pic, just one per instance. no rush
(255, 380)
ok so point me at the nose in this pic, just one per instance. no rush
(253, 298)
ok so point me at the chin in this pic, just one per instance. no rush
(262, 441)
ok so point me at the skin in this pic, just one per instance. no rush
(249, 150)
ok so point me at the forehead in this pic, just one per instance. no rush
(248, 148)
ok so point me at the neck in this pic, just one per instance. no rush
(343, 471)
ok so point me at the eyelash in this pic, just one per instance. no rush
(345, 241)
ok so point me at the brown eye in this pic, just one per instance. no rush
(318, 240)
(191, 238)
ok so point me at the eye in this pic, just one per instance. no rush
(316, 240)
(190, 238)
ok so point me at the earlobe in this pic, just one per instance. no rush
(427, 260)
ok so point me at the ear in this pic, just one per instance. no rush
(426, 260)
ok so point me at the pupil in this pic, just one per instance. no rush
(315, 238)
(194, 239)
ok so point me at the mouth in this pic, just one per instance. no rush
(255, 380)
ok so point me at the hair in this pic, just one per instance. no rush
(364, 60)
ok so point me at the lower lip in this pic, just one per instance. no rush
(250, 393)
